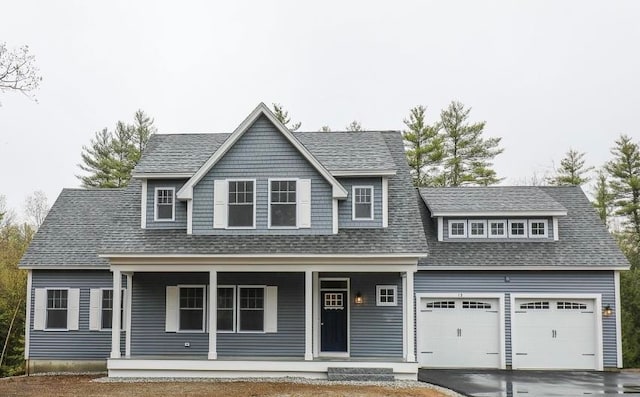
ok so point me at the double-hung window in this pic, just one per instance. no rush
(164, 204)
(226, 309)
(362, 202)
(251, 309)
(106, 308)
(57, 306)
(283, 203)
(191, 309)
(241, 204)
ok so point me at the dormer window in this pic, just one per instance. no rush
(517, 228)
(477, 229)
(457, 228)
(283, 208)
(497, 229)
(538, 228)
(164, 204)
(241, 204)
(362, 203)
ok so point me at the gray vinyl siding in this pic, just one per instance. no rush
(180, 217)
(345, 207)
(376, 331)
(550, 233)
(263, 153)
(73, 345)
(148, 336)
(590, 282)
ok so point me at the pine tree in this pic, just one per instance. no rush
(354, 126)
(603, 198)
(112, 156)
(423, 145)
(325, 128)
(624, 171)
(466, 155)
(572, 170)
(283, 116)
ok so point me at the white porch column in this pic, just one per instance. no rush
(213, 314)
(409, 296)
(308, 315)
(127, 313)
(115, 320)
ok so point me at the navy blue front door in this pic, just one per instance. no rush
(333, 321)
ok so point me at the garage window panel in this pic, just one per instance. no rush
(571, 306)
(441, 305)
(475, 305)
(535, 305)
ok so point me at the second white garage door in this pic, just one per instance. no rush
(459, 332)
(555, 334)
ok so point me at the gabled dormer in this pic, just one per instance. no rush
(478, 214)
(263, 179)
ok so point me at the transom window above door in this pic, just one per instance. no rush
(241, 204)
(283, 203)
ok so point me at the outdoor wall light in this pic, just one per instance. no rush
(358, 299)
(607, 311)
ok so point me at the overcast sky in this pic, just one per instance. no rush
(545, 75)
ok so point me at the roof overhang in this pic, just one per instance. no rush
(358, 173)
(186, 193)
(162, 175)
(449, 214)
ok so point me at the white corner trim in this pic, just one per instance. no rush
(27, 328)
(173, 204)
(335, 215)
(597, 298)
(617, 308)
(440, 229)
(143, 205)
(187, 190)
(189, 216)
(385, 202)
(556, 232)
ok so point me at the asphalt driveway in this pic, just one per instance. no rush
(496, 383)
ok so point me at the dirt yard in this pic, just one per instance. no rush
(83, 386)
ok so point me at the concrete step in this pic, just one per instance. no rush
(361, 374)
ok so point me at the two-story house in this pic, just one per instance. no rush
(271, 253)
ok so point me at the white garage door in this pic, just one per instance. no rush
(459, 332)
(554, 334)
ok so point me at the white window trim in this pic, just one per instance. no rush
(526, 228)
(269, 180)
(46, 309)
(505, 228)
(546, 228)
(204, 309)
(452, 221)
(470, 229)
(255, 190)
(123, 302)
(387, 287)
(155, 204)
(353, 202)
(264, 309)
(233, 309)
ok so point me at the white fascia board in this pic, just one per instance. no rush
(497, 213)
(526, 268)
(344, 173)
(253, 267)
(338, 190)
(162, 175)
(64, 267)
(258, 256)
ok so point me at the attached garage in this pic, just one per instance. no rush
(460, 330)
(556, 332)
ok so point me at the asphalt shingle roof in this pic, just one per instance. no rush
(489, 199)
(584, 239)
(403, 235)
(363, 150)
(73, 229)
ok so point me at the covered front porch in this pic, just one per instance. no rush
(288, 319)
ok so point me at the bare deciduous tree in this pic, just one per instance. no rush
(36, 208)
(18, 71)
